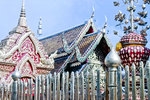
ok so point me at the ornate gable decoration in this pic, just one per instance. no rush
(24, 51)
(85, 44)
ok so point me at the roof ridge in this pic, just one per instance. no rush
(58, 33)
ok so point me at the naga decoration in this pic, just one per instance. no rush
(50, 59)
(68, 48)
(83, 32)
(83, 57)
(62, 68)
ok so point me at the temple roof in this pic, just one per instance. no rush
(54, 42)
(101, 48)
(83, 45)
(85, 37)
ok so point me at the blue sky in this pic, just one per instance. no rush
(59, 15)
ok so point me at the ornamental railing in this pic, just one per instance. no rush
(119, 85)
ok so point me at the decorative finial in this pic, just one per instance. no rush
(112, 59)
(131, 14)
(105, 25)
(39, 31)
(22, 10)
(16, 75)
(93, 13)
(22, 19)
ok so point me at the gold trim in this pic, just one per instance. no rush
(118, 46)
(133, 45)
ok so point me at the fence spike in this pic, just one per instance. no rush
(38, 88)
(142, 97)
(24, 90)
(46, 87)
(63, 84)
(3, 90)
(31, 89)
(106, 93)
(18, 89)
(82, 84)
(119, 82)
(127, 83)
(98, 85)
(50, 84)
(28, 88)
(21, 90)
(14, 90)
(67, 86)
(54, 86)
(93, 85)
(35, 88)
(42, 88)
(77, 85)
(87, 86)
(58, 86)
(148, 77)
(72, 86)
(112, 86)
(133, 82)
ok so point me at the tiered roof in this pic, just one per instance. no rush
(81, 36)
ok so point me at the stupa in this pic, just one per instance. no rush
(131, 47)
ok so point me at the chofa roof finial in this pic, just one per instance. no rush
(22, 19)
(39, 31)
(93, 13)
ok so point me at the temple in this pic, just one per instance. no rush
(22, 51)
(80, 48)
(77, 62)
